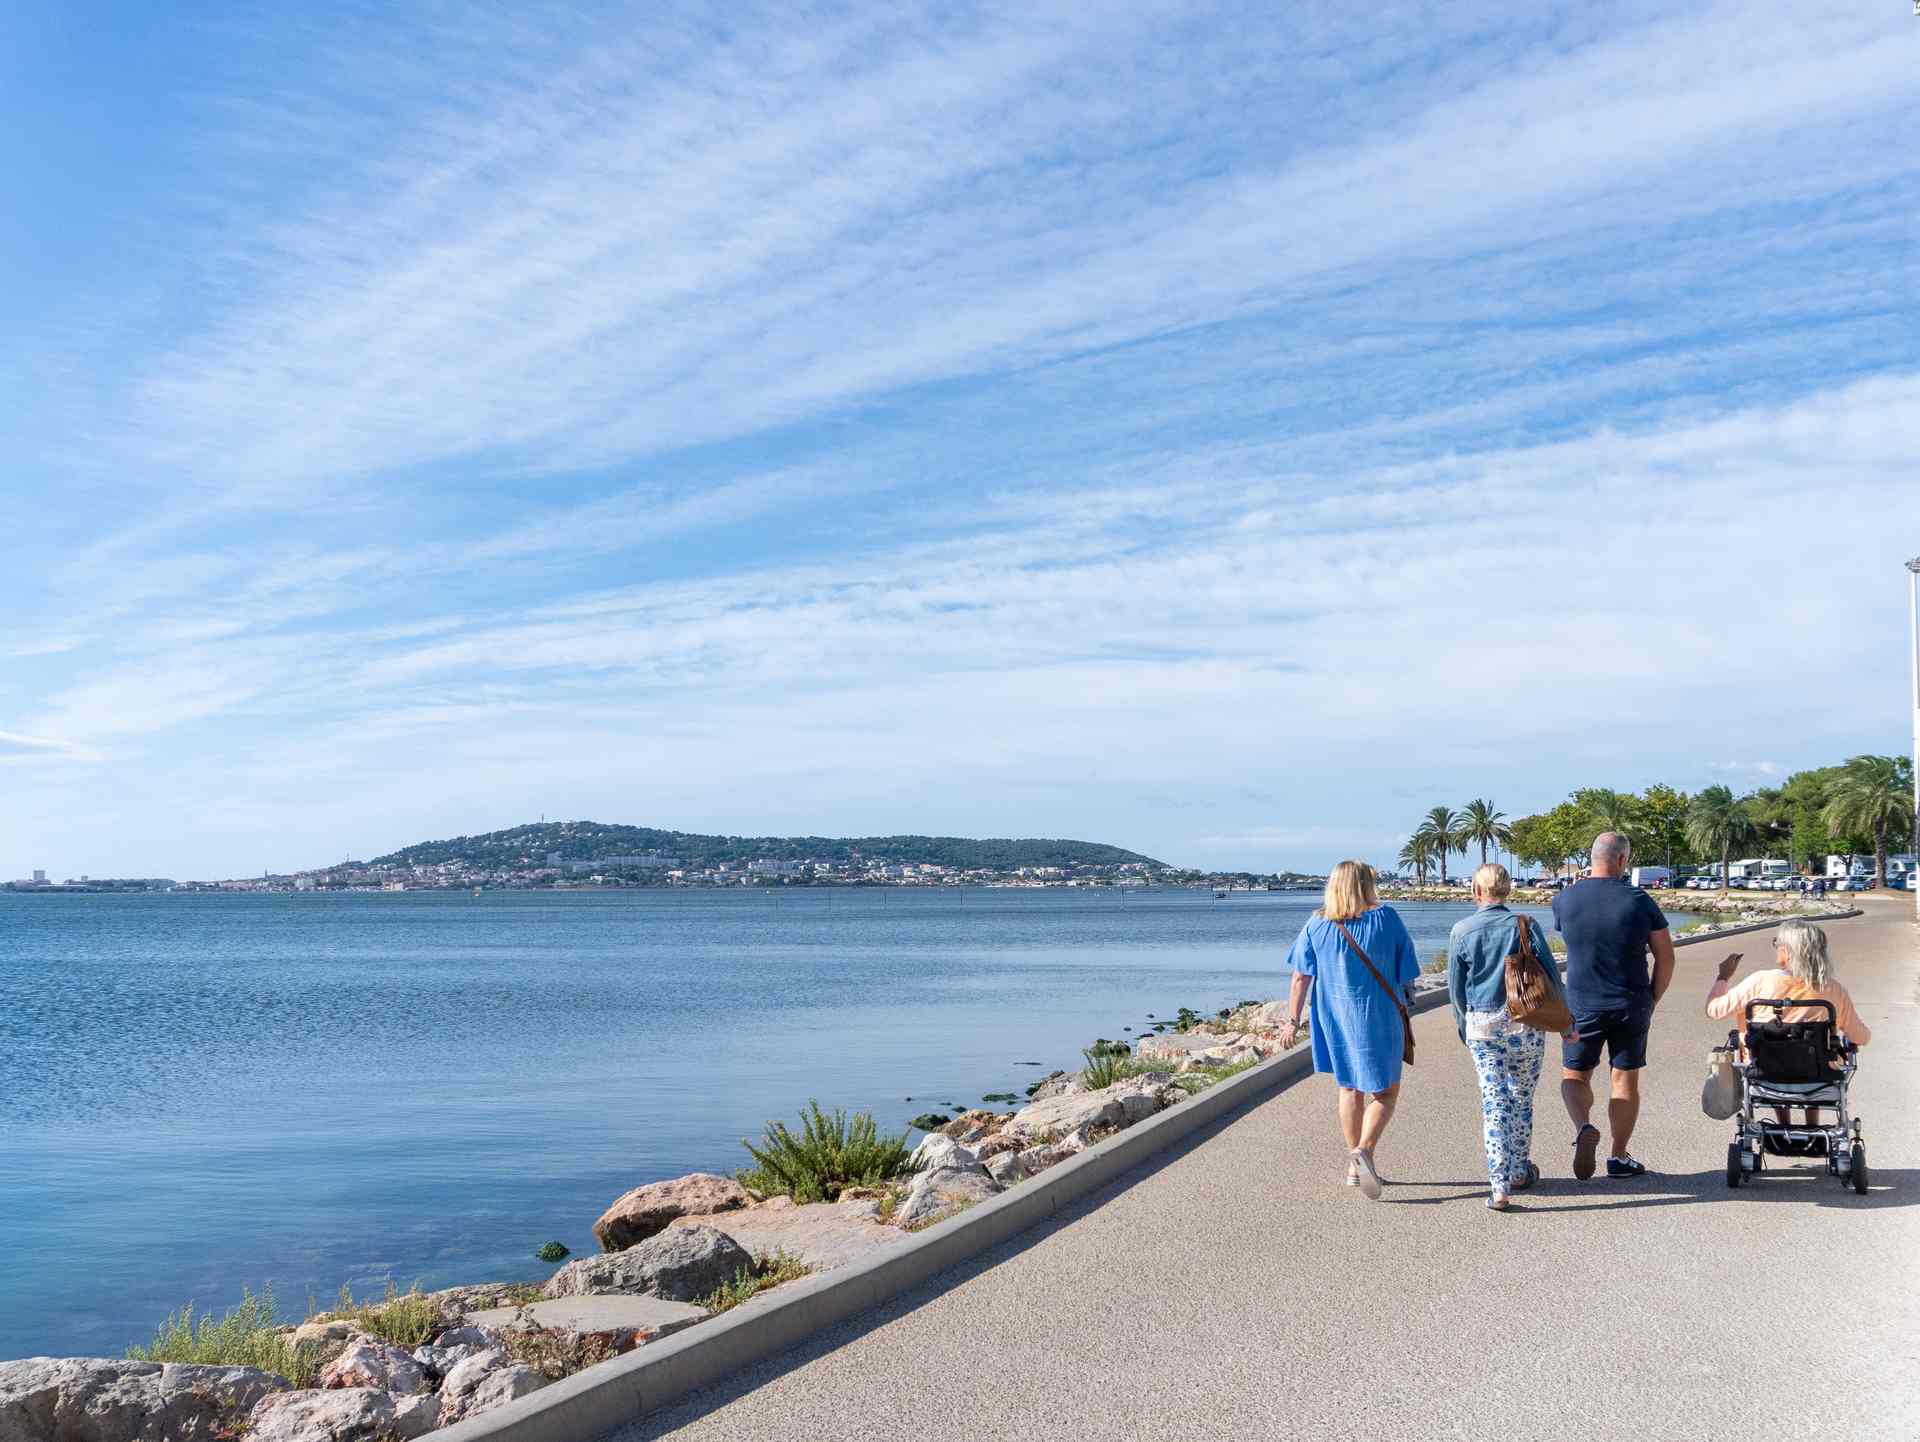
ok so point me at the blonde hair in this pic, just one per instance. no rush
(1350, 891)
(1492, 880)
(1806, 946)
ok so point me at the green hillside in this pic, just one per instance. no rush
(572, 841)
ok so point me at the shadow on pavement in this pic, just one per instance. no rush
(1797, 1186)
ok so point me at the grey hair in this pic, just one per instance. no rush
(1806, 946)
(1610, 848)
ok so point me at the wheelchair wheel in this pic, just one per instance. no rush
(1857, 1170)
(1733, 1164)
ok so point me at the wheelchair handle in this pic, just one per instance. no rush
(1786, 1004)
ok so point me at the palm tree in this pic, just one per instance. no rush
(1610, 810)
(1442, 832)
(1482, 823)
(1869, 795)
(1716, 822)
(1419, 855)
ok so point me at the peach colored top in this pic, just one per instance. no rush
(1772, 984)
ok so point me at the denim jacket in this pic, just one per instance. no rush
(1477, 961)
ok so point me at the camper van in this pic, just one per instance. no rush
(1651, 875)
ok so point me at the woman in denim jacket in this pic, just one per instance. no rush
(1506, 1054)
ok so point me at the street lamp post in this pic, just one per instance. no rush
(1913, 622)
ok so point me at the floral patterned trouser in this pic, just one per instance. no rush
(1509, 1070)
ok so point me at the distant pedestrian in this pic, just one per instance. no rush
(1609, 927)
(1819, 888)
(1356, 963)
(1507, 1055)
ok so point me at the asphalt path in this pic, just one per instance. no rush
(1235, 1289)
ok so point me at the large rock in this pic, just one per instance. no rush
(87, 1399)
(987, 1148)
(682, 1264)
(484, 1381)
(370, 1362)
(1058, 1084)
(348, 1414)
(939, 1153)
(970, 1126)
(322, 1341)
(938, 1194)
(1037, 1159)
(1175, 1047)
(1053, 1119)
(823, 1235)
(1007, 1168)
(645, 1211)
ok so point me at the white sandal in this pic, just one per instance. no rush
(1369, 1180)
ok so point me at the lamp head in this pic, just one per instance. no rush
(1914, 565)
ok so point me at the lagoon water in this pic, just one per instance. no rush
(202, 1092)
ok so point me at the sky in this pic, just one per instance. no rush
(1220, 430)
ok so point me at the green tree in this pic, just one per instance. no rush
(1716, 823)
(1482, 823)
(1528, 839)
(1609, 810)
(1418, 854)
(1873, 794)
(1663, 822)
(1442, 832)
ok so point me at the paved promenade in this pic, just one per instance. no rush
(1237, 1290)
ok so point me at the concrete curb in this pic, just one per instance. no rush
(592, 1403)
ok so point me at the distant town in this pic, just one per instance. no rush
(580, 855)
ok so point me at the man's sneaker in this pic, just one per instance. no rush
(1624, 1167)
(1585, 1143)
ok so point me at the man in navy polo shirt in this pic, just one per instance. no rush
(1609, 926)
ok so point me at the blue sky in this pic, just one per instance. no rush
(1221, 430)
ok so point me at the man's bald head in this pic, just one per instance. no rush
(1610, 853)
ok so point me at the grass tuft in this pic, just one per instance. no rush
(769, 1269)
(830, 1155)
(247, 1336)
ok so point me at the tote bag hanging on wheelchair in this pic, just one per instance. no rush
(1720, 1092)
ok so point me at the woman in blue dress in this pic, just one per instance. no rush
(1357, 1036)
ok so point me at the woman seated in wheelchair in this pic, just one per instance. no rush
(1801, 973)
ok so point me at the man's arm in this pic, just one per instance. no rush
(1661, 944)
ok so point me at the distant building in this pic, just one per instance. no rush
(39, 878)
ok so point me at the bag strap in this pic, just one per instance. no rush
(1526, 939)
(1361, 952)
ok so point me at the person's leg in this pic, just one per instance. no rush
(1373, 1121)
(1527, 1056)
(1490, 1062)
(1623, 1110)
(1351, 1105)
(1576, 1090)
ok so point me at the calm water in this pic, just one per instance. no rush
(201, 1092)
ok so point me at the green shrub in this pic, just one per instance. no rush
(830, 1155)
(406, 1319)
(248, 1336)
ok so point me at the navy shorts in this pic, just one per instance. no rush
(1623, 1032)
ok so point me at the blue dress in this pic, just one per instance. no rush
(1356, 1027)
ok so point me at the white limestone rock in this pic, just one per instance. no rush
(343, 1414)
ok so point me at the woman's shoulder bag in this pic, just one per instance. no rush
(1406, 1017)
(1531, 999)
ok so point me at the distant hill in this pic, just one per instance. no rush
(531, 846)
